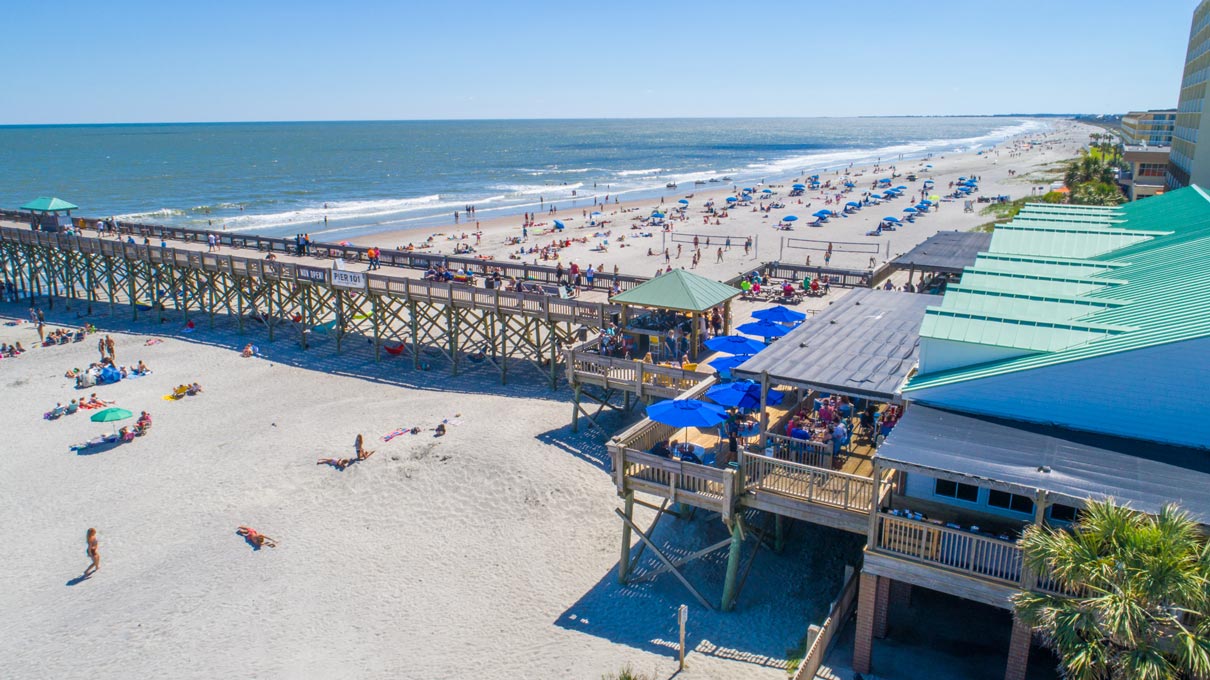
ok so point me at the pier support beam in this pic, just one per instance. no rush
(1018, 651)
(730, 584)
(624, 562)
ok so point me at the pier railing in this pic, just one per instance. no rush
(802, 451)
(351, 253)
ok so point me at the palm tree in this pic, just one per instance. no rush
(1087, 168)
(1143, 606)
(1097, 193)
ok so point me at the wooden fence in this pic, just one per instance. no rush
(807, 483)
(823, 636)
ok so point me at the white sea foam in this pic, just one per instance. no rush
(537, 189)
(338, 210)
(630, 173)
(162, 212)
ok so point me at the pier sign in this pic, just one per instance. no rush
(346, 279)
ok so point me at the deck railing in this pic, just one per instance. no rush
(953, 549)
(801, 451)
(641, 378)
(807, 483)
(680, 482)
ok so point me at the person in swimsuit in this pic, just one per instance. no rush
(362, 454)
(256, 538)
(93, 553)
(338, 463)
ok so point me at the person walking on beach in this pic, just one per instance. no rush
(720, 255)
(93, 553)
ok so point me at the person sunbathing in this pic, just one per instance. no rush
(141, 369)
(193, 389)
(254, 537)
(143, 424)
(440, 430)
(72, 373)
(180, 391)
(338, 463)
(94, 401)
(249, 350)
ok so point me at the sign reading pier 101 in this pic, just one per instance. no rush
(344, 279)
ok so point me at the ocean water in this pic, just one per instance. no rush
(366, 177)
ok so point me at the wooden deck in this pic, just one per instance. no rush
(636, 377)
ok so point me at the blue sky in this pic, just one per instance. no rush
(119, 61)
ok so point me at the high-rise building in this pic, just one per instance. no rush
(1185, 165)
(1150, 128)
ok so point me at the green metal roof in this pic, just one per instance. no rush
(680, 290)
(1142, 283)
(48, 204)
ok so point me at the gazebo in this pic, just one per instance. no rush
(670, 309)
(44, 213)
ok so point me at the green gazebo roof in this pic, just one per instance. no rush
(679, 290)
(48, 204)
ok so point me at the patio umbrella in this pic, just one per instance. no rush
(764, 329)
(734, 344)
(686, 413)
(789, 218)
(778, 314)
(729, 363)
(743, 394)
(683, 202)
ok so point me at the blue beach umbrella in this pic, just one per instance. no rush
(683, 202)
(734, 344)
(595, 214)
(790, 218)
(778, 314)
(764, 329)
(891, 219)
(813, 177)
(849, 185)
(747, 190)
(799, 187)
(884, 181)
(732, 199)
(929, 165)
(686, 413)
(900, 188)
(822, 213)
(854, 204)
(729, 363)
(658, 215)
(910, 210)
(743, 394)
(766, 191)
(558, 224)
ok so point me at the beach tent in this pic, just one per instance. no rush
(109, 374)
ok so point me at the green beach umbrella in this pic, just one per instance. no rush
(110, 415)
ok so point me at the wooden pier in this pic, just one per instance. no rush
(407, 316)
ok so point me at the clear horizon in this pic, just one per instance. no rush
(132, 61)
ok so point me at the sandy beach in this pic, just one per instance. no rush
(488, 552)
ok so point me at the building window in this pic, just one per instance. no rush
(1063, 513)
(962, 492)
(1010, 501)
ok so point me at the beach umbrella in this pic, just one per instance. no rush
(891, 219)
(732, 199)
(813, 177)
(790, 218)
(686, 413)
(766, 191)
(934, 197)
(683, 202)
(111, 415)
(909, 209)
(747, 190)
(743, 394)
(849, 185)
(658, 215)
(926, 202)
(731, 362)
(929, 165)
(734, 344)
(778, 314)
(764, 329)
(961, 179)
(900, 188)
(595, 214)
(558, 224)
(798, 187)
(854, 204)
(884, 181)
